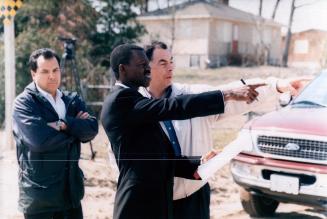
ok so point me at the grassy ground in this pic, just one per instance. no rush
(229, 74)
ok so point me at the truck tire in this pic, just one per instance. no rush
(257, 206)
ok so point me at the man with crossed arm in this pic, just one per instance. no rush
(49, 126)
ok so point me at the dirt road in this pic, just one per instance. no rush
(100, 192)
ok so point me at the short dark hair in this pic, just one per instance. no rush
(46, 53)
(122, 55)
(154, 45)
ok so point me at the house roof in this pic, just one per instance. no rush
(311, 30)
(205, 9)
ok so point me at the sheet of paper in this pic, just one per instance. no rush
(242, 143)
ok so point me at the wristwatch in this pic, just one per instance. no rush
(59, 124)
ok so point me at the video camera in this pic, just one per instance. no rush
(69, 46)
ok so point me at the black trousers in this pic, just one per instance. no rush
(196, 206)
(73, 213)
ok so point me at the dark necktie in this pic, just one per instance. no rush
(170, 128)
(173, 137)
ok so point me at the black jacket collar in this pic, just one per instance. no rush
(67, 97)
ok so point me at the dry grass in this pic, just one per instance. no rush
(229, 74)
(223, 137)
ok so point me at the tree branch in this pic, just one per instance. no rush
(306, 4)
(275, 9)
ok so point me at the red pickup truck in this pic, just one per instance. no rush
(288, 160)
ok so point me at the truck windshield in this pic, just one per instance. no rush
(315, 94)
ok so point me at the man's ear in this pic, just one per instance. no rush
(33, 73)
(121, 71)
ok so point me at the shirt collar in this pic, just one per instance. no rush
(167, 92)
(47, 94)
(121, 84)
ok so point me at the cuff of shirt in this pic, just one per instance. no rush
(222, 93)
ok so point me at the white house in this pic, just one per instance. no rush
(206, 33)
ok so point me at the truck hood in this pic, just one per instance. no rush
(311, 121)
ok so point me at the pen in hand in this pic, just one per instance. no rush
(243, 82)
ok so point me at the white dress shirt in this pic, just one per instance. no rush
(194, 135)
(118, 83)
(57, 103)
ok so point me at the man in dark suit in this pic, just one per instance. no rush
(49, 126)
(146, 159)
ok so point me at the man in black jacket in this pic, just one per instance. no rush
(49, 126)
(146, 158)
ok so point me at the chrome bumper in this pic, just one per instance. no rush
(250, 174)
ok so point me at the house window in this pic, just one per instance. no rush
(301, 47)
(194, 61)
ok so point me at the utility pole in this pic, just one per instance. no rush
(8, 10)
(10, 80)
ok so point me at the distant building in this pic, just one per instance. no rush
(206, 34)
(308, 49)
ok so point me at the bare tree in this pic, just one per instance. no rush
(262, 49)
(173, 24)
(289, 32)
(275, 10)
(260, 8)
(143, 5)
(289, 35)
(225, 2)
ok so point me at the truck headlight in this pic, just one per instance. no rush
(242, 169)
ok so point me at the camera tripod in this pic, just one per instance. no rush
(69, 58)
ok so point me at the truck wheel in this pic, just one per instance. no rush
(257, 206)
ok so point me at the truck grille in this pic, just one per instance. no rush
(292, 147)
